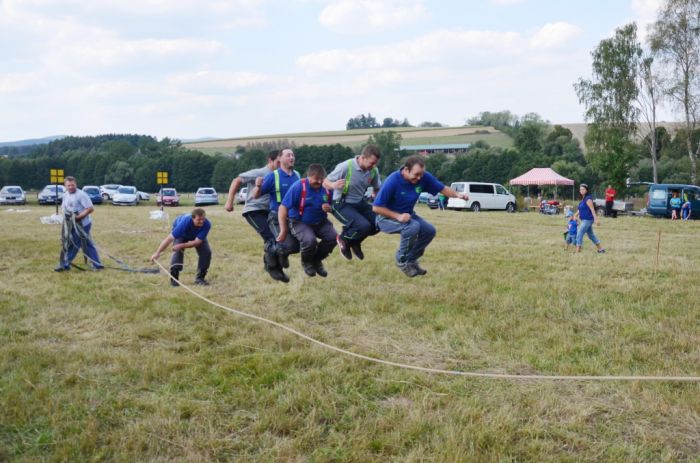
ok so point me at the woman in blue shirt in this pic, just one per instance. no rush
(586, 213)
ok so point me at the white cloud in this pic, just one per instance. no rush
(212, 82)
(361, 16)
(18, 82)
(645, 14)
(554, 35)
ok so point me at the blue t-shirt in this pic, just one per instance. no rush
(313, 211)
(675, 202)
(573, 227)
(400, 195)
(268, 186)
(584, 212)
(183, 228)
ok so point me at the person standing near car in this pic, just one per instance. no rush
(349, 182)
(587, 215)
(75, 233)
(189, 231)
(609, 200)
(256, 212)
(394, 208)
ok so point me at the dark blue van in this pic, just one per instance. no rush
(661, 193)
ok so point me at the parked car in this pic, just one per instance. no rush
(93, 193)
(143, 196)
(108, 190)
(51, 194)
(167, 197)
(482, 196)
(660, 194)
(242, 195)
(433, 202)
(424, 197)
(205, 196)
(12, 195)
(125, 196)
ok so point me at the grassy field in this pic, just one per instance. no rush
(116, 366)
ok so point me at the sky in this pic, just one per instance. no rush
(189, 69)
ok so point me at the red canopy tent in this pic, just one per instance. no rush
(541, 176)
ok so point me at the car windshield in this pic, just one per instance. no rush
(127, 190)
(91, 189)
(206, 191)
(169, 192)
(12, 190)
(52, 188)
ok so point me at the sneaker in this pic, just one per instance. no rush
(101, 267)
(357, 249)
(201, 282)
(419, 269)
(318, 266)
(343, 246)
(278, 274)
(601, 251)
(309, 268)
(61, 268)
(407, 268)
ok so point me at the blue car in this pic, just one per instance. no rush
(660, 194)
(94, 193)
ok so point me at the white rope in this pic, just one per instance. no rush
(433, 370)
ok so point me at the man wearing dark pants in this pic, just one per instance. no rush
(304, 210)
(349, 182)
(189, 231)
(610, 193)
(276, 184)
(394, 207)
(256, 212)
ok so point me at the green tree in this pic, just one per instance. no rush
(389, 143)
(609, 98)
(675, 38)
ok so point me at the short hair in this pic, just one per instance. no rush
(286, 149)
(70, 178)
(198, 212)
(273, 155)
(371, 150)
(412, 161)
(316, 170)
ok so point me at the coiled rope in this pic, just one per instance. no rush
(434, 370)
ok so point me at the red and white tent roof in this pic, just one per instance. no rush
(541, 176)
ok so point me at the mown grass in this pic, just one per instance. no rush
(117, 366)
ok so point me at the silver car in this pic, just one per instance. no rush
(206, 196)
(12, 195)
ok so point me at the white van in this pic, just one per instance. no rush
(482, 196)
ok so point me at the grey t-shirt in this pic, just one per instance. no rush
(359, 181)
(77, 203)
(248, 179)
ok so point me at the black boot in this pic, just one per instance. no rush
(270, 263)
(174, 275)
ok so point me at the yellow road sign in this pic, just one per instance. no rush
(161, 178)
(56, 175)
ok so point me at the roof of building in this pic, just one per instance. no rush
(445, 146)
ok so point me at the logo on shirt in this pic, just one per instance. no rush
(419, 189)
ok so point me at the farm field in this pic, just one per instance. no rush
(119, 366)
(356, 138)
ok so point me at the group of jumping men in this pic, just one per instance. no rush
(290, 213)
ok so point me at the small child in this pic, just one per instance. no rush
(675, 204)
(571, 229)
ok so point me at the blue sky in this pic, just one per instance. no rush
(199, 68)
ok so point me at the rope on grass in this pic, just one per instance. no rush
(472, 374)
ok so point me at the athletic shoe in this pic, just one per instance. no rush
(419, 269)
(357, 249)
(318, 266)
(309, 268)
(601, 251)
(201, 282)
(61, 268)
(408, 269)
(343, 246)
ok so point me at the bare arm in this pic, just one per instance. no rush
(84, 213)
(450, 193)
(164, 244)
(235, 185)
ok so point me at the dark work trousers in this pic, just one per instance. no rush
(290, 245)
(203, 251)
(358, 220)
(311, 249)
(608, 208)
(258, 220)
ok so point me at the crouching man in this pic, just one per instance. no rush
(304, 211)
(189, 231)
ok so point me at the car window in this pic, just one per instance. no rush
(658, 193)
(14, 191)
(500, 190)
(168, 192)
(92, 190)
(206, 191)
(458, 187)
(688, 195)
(480, 188)
(127, 190)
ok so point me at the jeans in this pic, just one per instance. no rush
(586, 227)
(88, 249)
(416, 235)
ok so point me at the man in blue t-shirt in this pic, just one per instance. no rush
(394, 208)
(189, 231)
(304, 211)
(276, 184)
